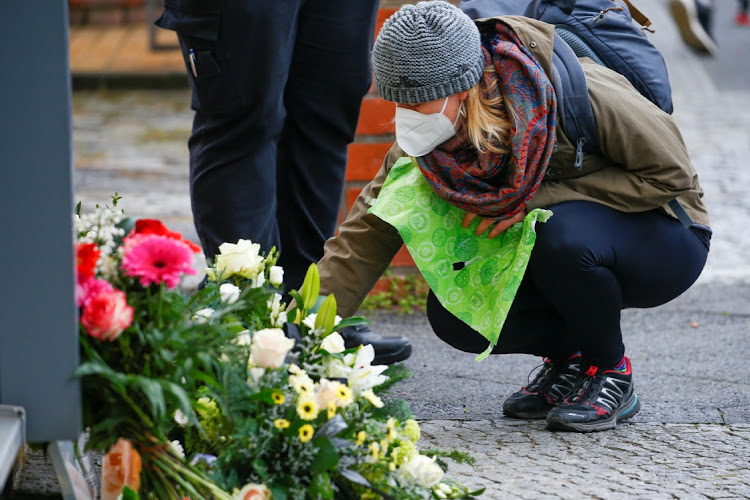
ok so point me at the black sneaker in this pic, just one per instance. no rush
(388, 350)
(551, 384)
(597, 403)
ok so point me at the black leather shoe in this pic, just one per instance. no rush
(388, 350)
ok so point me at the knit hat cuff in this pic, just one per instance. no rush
(416, 95)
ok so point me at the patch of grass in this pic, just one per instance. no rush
(404, 294)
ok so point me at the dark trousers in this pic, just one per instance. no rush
(589, 262)
(277, 89)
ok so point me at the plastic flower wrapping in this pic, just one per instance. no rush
(227, 391)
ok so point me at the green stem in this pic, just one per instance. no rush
(161, 303)
(192, 492)
(178, 466)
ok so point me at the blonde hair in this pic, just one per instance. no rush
(486, 119)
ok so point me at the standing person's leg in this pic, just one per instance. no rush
(330, 74)
(237, 54)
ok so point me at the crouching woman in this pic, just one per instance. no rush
(476, 110)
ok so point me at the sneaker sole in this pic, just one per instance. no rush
(626, 411)
(690, 28)
(526, 416)
(393, 357)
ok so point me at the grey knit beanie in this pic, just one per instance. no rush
(426, 52)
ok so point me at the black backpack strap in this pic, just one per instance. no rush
(680, 212)
(574, 104)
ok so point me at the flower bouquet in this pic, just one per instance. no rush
(143, 352)
(228, 389)
(298, 415)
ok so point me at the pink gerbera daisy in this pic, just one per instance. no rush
(158, 259)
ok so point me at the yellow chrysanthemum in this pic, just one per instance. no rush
(361, 436)
(307, 409)
(281, 423)
(344, 395)
(278, 397)
(331, 410)
(306, 433)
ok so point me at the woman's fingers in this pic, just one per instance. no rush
(505, 224)
(468, 218)
(483, 225)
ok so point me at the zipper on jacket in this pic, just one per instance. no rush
(579, 153)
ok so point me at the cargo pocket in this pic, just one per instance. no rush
(197, 24)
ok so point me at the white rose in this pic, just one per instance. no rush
(334, 343)
(269, 348)
(364, 376)
(274, 303)
(421, 470)
(229, 293)
(242, 259)
(276, 275)
(258, 281)
(203, 315)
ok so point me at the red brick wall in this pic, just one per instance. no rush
(374, 137)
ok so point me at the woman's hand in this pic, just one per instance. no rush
(485, 223)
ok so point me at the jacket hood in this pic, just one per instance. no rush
(537, 36)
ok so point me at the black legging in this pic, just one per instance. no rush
(589, 262)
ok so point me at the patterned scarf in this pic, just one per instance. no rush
(492, 185)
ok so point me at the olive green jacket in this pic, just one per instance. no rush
(644, 165)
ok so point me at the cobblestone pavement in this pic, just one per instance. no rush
(520, 460)
(692, 438)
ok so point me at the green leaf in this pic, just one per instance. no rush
(129, 494)
(310, 287)
(264, 396)
(353, 321)
(321, 486)
(326, 316)
(154, 393)
(278, 493)
(179, 394)
(327, 457)
(78, 209)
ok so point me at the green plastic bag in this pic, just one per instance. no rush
(481, 291)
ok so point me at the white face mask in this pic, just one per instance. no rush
(419, 133)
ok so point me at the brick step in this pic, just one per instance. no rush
(374, 138)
